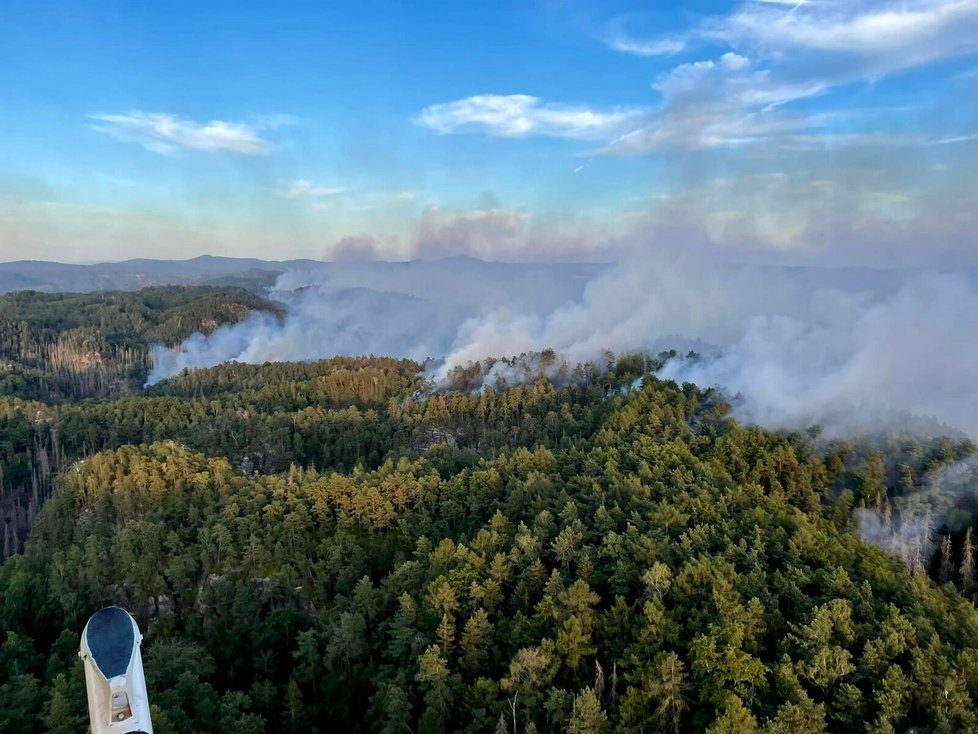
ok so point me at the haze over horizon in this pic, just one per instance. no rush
(697, 150)
(489, 366)
(829, 133)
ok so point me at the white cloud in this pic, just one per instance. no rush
(522, 115)
(734, 62)
(302, 189)
(168, 134)
(732, 81)
(661, 47)
(886, 35)
(732, 101)
(712, 104)
(970, 137)
(619, 39)
(784, 51)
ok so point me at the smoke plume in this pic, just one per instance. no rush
(856, 363)
(320, 322)
(410, 309)
(906, 525)
(853, 350)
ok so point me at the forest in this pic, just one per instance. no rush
(344, 545)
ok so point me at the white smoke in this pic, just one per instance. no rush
(907, 524)
(853, 364)
(411, 309)
(909, 537)
(320, 322)
(630, 307)
(854, 351)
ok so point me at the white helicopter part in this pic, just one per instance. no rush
(117, 699)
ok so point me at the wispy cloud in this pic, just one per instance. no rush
(797, 50)
(522, 115)
(954, 139)
(618, 37)
(303, 189)
(660, 47)
(405, 195)
(710, 104)
(167, 134)
(781, 51)
(881, 35)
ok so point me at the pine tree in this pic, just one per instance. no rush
(874, 480)
(295, 708)
(613, 693)
(587, 716)
(433, 671)
(65, 713)
(967, 568)
(735, 719)
(598, 680)
(669, 690)
(476, 638)
(946, 570)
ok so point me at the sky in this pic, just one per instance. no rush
(831, 132)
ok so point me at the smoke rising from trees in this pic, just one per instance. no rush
(856, 363)
(906, 525)
(852, 350)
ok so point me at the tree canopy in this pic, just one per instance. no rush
(339, 546)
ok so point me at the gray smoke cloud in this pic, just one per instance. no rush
(409, 309)
(909, 537)
(322, 320)
(856, 362)
(853, 350)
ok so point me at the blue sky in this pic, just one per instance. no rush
(830, 131)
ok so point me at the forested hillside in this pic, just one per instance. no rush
(56, 346)
(336, 546)
(58, 349)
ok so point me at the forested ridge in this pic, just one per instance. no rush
(339, 546)
(61, 348)
(58, 346)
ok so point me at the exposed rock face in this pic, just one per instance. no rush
(430, 436)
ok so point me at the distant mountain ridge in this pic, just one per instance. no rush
(132, 274)
(257, 274)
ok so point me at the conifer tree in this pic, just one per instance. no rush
(946, 571)
(587, 716)
(64, 713)
(967, 568)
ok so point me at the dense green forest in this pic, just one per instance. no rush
(57, 346)
(58, 349)
(340, 546)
